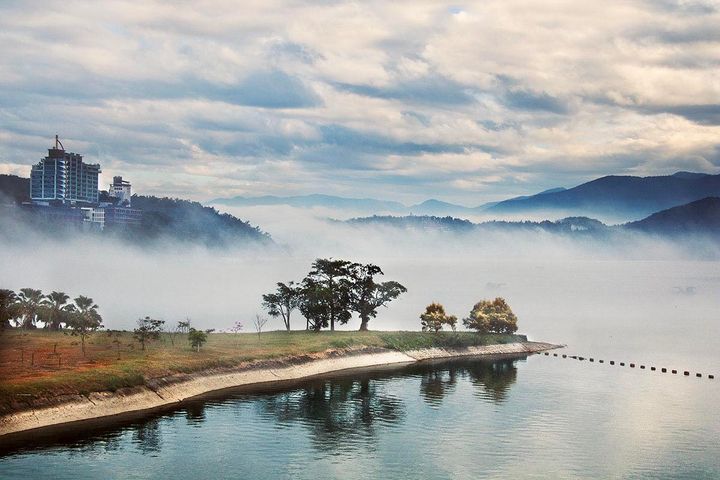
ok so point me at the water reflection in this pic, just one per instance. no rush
(340, 413)
(437, 383)
(195, 413)
(492, 379)
(147, 437)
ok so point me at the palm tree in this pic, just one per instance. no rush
(84, 318)
(29, 301)
(56, 309)
(7, 307)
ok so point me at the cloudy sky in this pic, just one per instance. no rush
(467, 102)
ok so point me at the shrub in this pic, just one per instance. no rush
(492, 316)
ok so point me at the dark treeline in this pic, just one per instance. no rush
(331, 292)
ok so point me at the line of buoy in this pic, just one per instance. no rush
(632, 365)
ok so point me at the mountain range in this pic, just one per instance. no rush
(611, 198)
(698, 218)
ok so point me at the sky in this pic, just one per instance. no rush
(464, 102)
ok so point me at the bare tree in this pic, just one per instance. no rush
(259, 323)
(236, 329)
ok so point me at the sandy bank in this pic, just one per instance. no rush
(164, 392)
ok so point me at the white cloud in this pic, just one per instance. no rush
(523, 93)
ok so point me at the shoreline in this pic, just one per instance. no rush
(168, 392)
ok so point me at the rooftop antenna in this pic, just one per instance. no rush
(57, 141)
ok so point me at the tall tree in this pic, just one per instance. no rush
(8, 307)
(366, 295)
(148, 329)
(283, 301)
(29, 304)
(55, 308)
(333, 277)
(84, 319)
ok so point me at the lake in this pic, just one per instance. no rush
(538, 417)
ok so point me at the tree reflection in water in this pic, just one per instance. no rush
(195, 413)
(437, 383)
(146, 437)
(493, 379)
(340, 413)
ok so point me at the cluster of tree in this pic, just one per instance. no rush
(331, 292)
(29, 306)
(486, 316)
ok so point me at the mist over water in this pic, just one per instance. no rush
(640, 298)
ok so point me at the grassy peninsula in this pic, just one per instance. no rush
(38, 365)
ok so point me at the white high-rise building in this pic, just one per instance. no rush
(63, 177)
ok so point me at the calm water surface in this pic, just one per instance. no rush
(536, 417)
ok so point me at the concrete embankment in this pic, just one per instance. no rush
(167, 391)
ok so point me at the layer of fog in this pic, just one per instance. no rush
(642, 298)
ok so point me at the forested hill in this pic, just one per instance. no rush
(574, 225)
(14, 189)
(701, 217)
(163, 219)
(188, 221)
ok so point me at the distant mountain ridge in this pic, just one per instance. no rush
(701, 217)
(613, 198)
(618, 196)
(428, 207)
